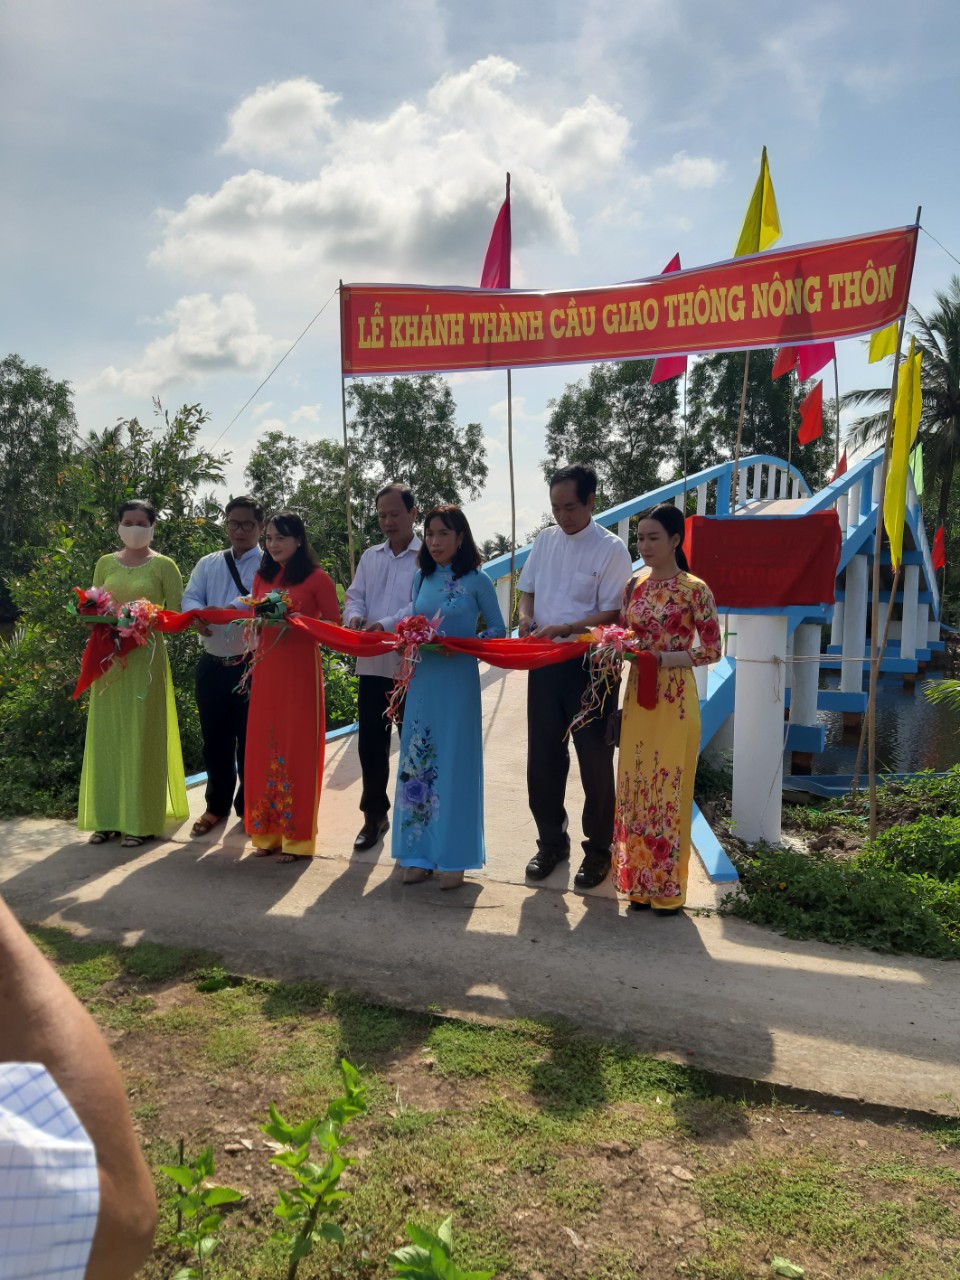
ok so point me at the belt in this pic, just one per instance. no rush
(231, 660)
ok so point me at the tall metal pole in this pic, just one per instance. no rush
(346, 471)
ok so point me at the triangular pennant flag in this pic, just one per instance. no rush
(496, 265)
(667, 367)
(916, 469)
(938, 553)
(785, 362)
(811, 415)
(813, 358)
(884, 342)
(906, 420)
(761, 226)
(841, 467)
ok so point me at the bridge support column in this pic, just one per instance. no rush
(854, 628)
(836, 626)
(909, 613)
(758, 726)
(504, 589)
(804, 683)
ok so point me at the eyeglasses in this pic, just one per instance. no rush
(247, 526)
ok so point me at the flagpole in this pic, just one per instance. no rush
(790, 429)
(346, 471)
(736, 453)
(836, 388)
(513, 495)
(684, 420)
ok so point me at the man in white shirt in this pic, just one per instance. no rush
(219, 581)
(573, 580)
(380, 592)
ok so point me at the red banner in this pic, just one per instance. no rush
(810, 293)
(766, 562)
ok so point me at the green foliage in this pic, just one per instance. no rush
(898, 801)
(713, 408)
(810, 895)
(930, 846)
(307, 1208)
(197, 1203)
(943, 692)
(619, 424)
(430, 1257)
(41, 728)
(339, 690)
(37, 441)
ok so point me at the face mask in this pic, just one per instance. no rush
(135, 536)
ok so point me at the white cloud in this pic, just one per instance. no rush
(208, 337)
(306, 413)
(690, 173)
(281, 121)
(412, 192)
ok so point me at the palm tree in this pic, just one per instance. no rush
(938, 337)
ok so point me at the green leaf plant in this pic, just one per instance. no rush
(307, 1208)
(430, 1257)
(196, 1205)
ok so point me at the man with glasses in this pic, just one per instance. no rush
(218, 581)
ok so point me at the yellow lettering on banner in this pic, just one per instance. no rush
(886, 283)
(812, 295)
(686, 309)
(651, 313)
(558, 322)
(851, 289)
(835, 281)
(671, 301)
(536, 326)
(492, 327)
(736, 307)
(376, 331)
(610, 318)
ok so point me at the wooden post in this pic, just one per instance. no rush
(736, 452)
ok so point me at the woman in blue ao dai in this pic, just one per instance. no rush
(438, 818)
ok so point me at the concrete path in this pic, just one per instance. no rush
(713, 992)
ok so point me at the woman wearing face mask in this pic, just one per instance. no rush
(286, 727)
(438, 813)
(132, 781)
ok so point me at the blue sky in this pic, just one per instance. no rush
(186, 183)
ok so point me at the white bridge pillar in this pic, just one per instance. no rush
(758, 726)
(805, 675)
(854, 625)
(909, 615)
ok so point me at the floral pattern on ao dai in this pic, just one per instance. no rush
(659, 747)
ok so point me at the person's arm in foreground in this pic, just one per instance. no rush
(42, 1021)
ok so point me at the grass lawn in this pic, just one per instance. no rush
(560, 1157)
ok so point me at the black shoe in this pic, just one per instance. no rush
(594, 869)
(638, 906)
(371, 833)
(544, 861)
(664, 912)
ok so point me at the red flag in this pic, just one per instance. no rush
(785, 361)
(813, 358)
(496, 265)
(811, 416)
(938, 553)
(667, 367)
(841, 467)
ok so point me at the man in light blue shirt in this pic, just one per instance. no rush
(219, 581)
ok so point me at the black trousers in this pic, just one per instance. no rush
(373, 693)
(223, 723)
(553, 699)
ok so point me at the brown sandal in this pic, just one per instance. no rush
(204, 825)
(101, 837)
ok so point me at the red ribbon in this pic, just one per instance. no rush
(511, 655)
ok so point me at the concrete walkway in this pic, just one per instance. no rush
(713, 992)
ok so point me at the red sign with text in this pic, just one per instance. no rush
(810, 293)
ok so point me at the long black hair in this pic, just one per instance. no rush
(671, 518)
(466, 557)
(303, 561)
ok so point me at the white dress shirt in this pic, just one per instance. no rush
(381, 591)
(211, 586)
(572, 575)
(49, 1184)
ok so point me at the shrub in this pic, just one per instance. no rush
(930, 846)
(810, 895)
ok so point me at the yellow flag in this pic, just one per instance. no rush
(906, 420)
(884, 342)
(761, 226)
